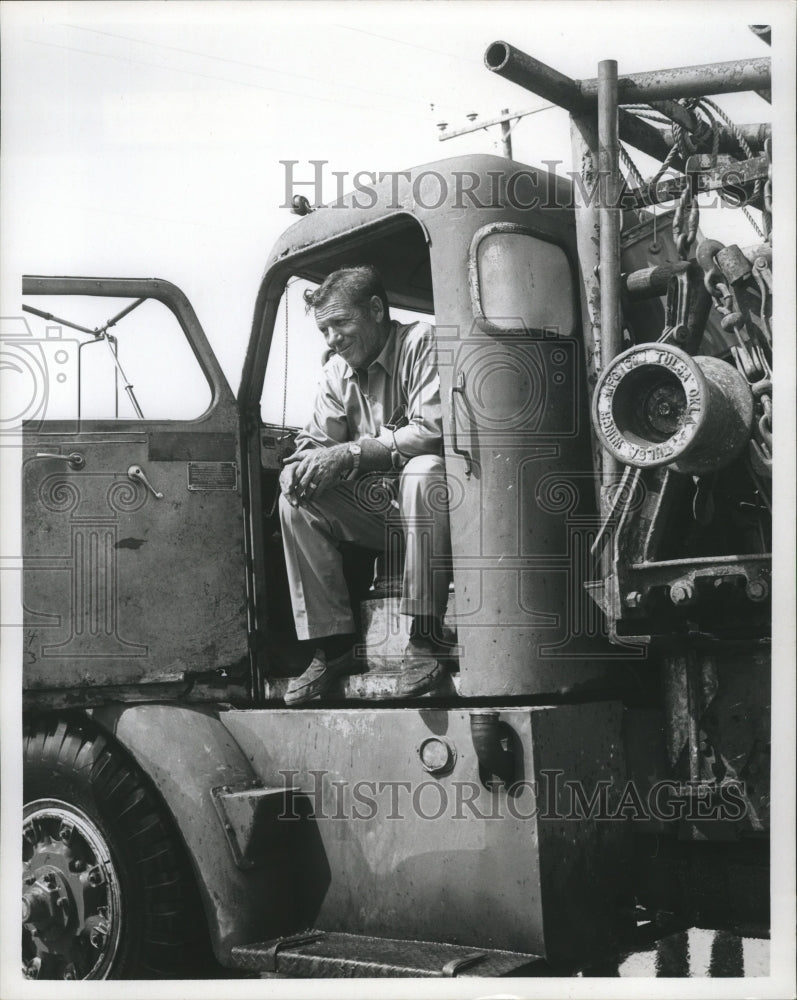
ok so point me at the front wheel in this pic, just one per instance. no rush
(106, 891)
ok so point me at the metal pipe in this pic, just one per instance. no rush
(584, 145)
(57, 319)
(731, 77)
(649, 282)
(755, 135)
(535, 76)
(708, 178)
(662, 84)
(531, 74)
(610, 223)
(610, 213)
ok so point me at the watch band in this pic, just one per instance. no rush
(356, 452)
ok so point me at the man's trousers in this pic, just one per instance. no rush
(365, 512)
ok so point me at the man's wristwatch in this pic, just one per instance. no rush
(356, 452)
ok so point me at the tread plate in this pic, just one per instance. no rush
(337, 955)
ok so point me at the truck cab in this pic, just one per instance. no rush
(170, 797)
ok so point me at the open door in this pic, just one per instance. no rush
(133, 539)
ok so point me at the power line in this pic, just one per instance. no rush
(412, 45)
(223, 79)
(240, 62)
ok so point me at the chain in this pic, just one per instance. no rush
(285, 369)
(766, 215)
(763, 278)
(685, 222)
(751, 362)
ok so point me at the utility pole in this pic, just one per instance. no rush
(507, 120)
(506, 134)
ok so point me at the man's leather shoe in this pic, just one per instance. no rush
(319, 677)
(420, 670)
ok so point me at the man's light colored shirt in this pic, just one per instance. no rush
(401, 388)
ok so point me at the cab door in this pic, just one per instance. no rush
(133, 533)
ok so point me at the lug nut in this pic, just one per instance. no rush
(98, 935)
(757, 590)
(49, 880)
(77, 865)
(97, 938)
(633, 599)
(683, 592)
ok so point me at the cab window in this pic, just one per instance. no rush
(104, 358)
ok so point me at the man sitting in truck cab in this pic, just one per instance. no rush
(377, 411)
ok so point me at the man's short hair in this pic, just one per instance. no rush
(358, 284)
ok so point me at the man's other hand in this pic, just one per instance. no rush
(288, 482)
(310, 475)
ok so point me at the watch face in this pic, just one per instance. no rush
(355, 449)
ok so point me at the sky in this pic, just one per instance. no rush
(146, 139)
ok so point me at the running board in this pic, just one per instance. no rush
(365, 687)
(331, 954)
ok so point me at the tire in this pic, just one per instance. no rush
(107, 892)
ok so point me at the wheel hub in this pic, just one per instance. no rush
(71, 915)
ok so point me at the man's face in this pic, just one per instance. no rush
(356, 332)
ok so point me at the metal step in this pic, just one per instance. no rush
(329, 954)
(386, 632)
(373, 686)
(379, 657)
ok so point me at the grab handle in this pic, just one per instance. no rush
(463, 452)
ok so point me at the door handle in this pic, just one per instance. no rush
(459, 388)
(135, 472)
(74, 460)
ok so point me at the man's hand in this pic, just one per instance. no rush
(310, 474)
(287, 480)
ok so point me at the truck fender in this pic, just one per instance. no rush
(189, 755)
